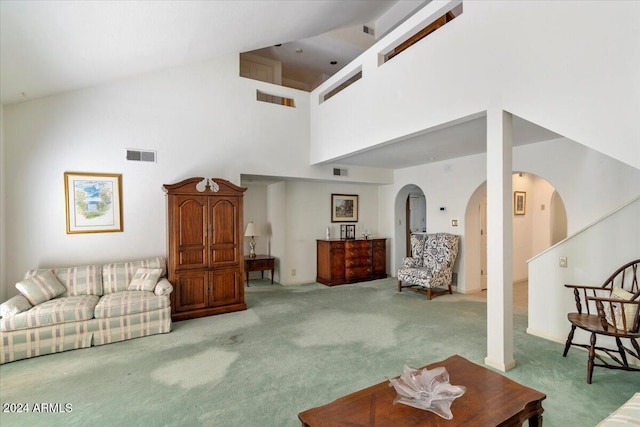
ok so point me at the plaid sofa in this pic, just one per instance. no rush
(98, 306)
(626, 416)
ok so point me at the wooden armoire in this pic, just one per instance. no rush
(205, 255)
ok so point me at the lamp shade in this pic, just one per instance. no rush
(251, 230)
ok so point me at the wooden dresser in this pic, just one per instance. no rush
(350, 261)
(205, 261)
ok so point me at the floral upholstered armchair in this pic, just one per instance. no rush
(430, 265)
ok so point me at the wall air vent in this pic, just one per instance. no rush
(340, 172)
(135, 155)
(368, 30)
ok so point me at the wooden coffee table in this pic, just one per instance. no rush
(491, 399)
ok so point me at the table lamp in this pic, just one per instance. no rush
(252, 231)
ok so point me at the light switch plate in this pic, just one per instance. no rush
(563, 262)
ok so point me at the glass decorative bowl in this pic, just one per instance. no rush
(427, 389)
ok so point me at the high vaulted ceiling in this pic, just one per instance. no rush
(52, 46)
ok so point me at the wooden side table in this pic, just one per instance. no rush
(259, 263)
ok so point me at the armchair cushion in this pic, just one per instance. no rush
(629, 309)
(411, 262)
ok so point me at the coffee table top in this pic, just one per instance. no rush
(491, 399)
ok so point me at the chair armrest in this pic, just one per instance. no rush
(163, 287)
(622, 314)
(14, 306)
(582, 293)
(412, 262)
(586, 287)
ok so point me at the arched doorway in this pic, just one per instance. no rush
(410, 217)
(541, 223)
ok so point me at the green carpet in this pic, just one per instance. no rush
(295, 348)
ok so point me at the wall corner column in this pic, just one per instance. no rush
(499, 241)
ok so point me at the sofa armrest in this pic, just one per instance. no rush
(14, 306)
(163, 287)
(411, 262)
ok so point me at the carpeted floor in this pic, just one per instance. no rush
(295, 348)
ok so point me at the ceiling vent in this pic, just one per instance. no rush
(368, 30)
(141, 155)
(340, 172)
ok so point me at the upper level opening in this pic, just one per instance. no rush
(424, 32)
(307, 63)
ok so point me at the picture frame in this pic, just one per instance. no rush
(93, 202)
(348, 231)
(519, 202)
(344, 208)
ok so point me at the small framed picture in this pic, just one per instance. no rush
(348, 231)
(344, 208)
(519, 202)
(93, 202)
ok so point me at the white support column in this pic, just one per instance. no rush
(499, 241)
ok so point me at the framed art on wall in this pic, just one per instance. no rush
(93, 202)
(344, 208)
(519, 202)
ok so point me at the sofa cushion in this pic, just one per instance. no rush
(81, 280)
(145, 279)
(52, 312)
(627, 415)
(41, 287)
(14, 305)
(129, 302)
(117, 276)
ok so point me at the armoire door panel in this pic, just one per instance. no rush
(224, 288)
(192, 290)
(223, 220)
(223, 254)
(192, 257)
(192, 231)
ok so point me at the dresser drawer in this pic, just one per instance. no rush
(357, 272)
(258, 265)
(357, 244)
(357, 262)
(358, 253)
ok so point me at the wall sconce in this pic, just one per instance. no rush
(252, 231)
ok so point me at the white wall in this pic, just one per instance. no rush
(566, 165)
(308, 211)
(592, 255)
(255, 209)
(202, 120)
(3, 239)
(277, 219)
(522, 57)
